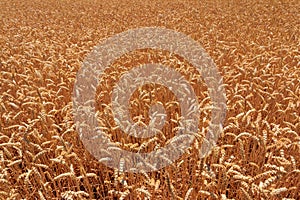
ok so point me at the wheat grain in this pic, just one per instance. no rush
(293, 161)
(278, 191)
(267, 182)
(280, 169)
(67, 174)
(242, 177)
(41, 195)
(124, 194)
(27, 181)
(14, 162)
(38, 155)
(144, 191)
(242, 149)
(188, 193)
(246, 194)
(259, 176)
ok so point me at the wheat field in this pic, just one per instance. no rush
(255, 45)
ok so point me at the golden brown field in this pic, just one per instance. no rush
(255, 45)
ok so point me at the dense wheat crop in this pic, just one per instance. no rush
(255, 45)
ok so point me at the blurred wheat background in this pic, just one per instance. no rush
(255, 45)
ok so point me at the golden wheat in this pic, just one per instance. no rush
(255, 45)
